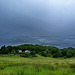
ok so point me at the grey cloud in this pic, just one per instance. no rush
(36, 17)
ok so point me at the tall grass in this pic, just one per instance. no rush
(16, 65)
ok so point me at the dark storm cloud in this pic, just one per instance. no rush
(36, 17)
(37, 13)
(16, 13)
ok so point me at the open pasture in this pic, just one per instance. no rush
(16, 65)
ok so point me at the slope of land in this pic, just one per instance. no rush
(16, 65)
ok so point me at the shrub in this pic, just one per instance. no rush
(32, 54)
(25, 55)
(65, 57)
(69, 55)
(55, 55)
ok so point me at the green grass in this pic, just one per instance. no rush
(16, 65)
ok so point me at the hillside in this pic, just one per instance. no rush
(16, 65)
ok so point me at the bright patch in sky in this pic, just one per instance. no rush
(67, 2)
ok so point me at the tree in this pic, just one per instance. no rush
(69, 55)
(55, 55)
(64, 52)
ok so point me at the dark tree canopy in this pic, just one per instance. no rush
(47, 51)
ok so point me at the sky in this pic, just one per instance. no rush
(36, 17)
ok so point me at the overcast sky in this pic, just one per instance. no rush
(40, 13)
(33, 17)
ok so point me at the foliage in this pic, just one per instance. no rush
(32, 54)
(47, 51)
(25, 55)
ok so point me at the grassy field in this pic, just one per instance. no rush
(16, 65)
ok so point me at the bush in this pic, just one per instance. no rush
(69, 55)
(32, 54)
(25, 55)
(55, 55)
(65, 57)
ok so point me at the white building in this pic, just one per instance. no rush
(20, 51)
(27, 51)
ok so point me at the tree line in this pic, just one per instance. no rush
(46, 51)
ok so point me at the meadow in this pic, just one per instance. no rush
(16, 65)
